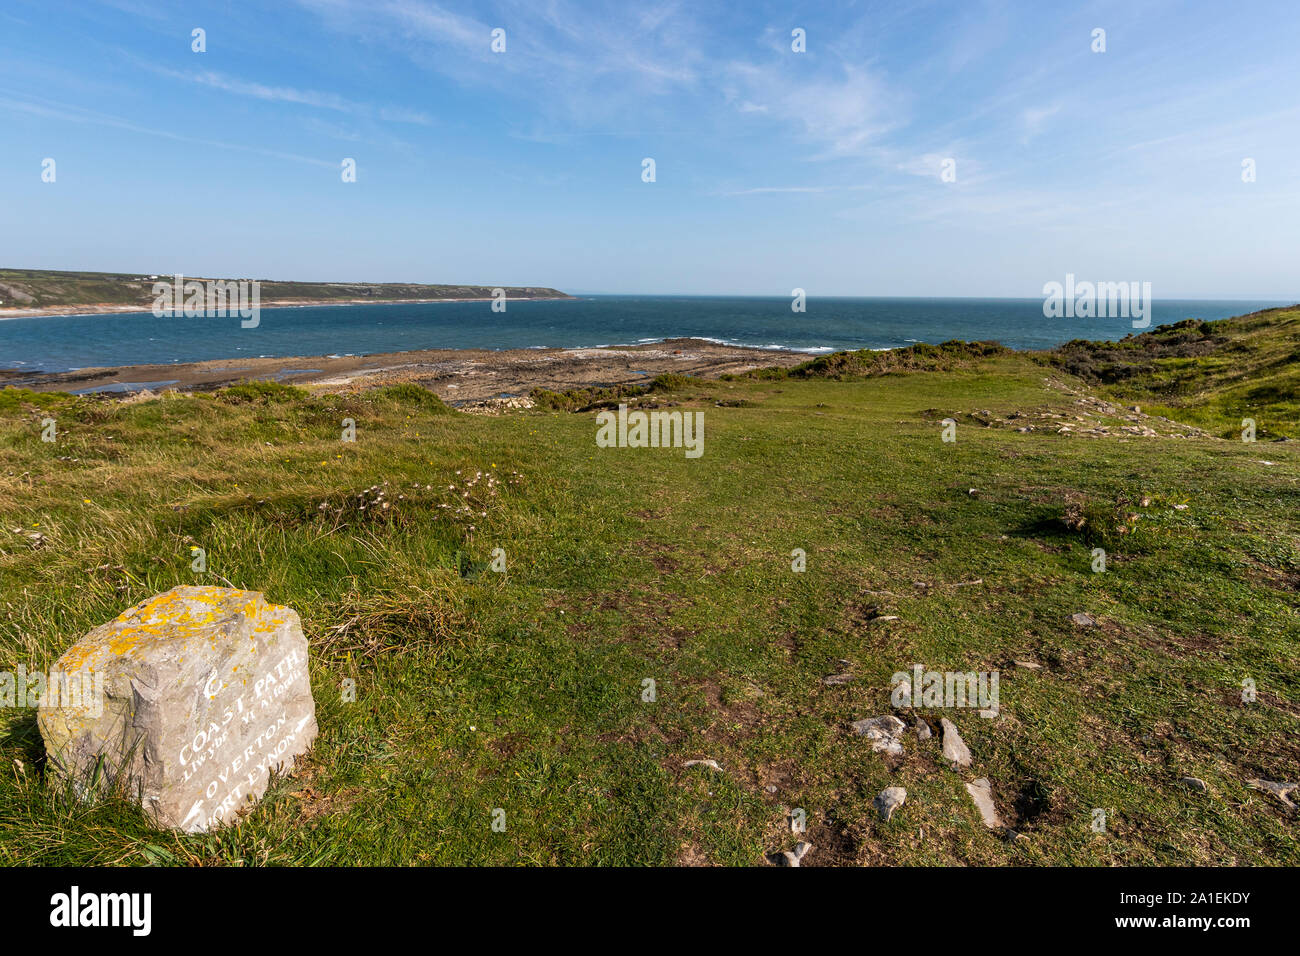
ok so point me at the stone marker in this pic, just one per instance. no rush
(954, 748)
(205, 692)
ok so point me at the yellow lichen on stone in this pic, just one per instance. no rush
(175, 615)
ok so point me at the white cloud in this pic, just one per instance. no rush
(301, 97)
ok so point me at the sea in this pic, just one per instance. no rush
(66, 343)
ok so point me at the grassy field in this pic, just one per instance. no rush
(524, 691)
(37, 288)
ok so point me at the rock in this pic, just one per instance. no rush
(889, 800)
(1280, 790)
(954, 748)
(711, 764)
(922, 729)
(1028, 665)
(835, 680)
(202, 693)
(1083, 620)
(981, 792)
(1196, 783)
(883, 732)
(791, 857)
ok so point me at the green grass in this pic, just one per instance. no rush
(1210, 374)
(523, 691)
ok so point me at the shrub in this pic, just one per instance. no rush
(258, 392)
(15, 399)
(408, 393)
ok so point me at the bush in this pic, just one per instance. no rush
(582, 399)
(15, 399)
(408, 393)
(1103, 524)
(669, 382)
(861, 363)
(262, 393)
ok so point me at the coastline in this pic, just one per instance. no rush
(458, 376)
(108, 309)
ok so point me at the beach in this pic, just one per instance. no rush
(458, 376)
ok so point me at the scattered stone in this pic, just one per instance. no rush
(883, 732)
(835, 680)
(881, 618)
(922, 729)
(1280, 790)
(970, 584)
(1180, 507)
(1196, 783)
(889, 800)
(790, 857)
(954, 748)
(1083, 620)
(770, 788)
(981, 792)
(197, 696)
(711, 764)
(1028, 665)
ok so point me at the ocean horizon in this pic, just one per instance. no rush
(64, 343)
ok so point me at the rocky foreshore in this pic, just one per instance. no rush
(458, 376)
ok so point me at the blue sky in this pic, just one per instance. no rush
(774, 169)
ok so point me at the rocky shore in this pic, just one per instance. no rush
(458, 376)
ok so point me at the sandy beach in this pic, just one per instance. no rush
(458, 376)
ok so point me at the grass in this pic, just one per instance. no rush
(1211, 374)
(524, 691)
